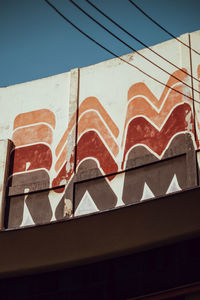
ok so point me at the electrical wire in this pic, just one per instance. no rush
(115, 55)
(127, 45)
(160, 26)
(136, 39)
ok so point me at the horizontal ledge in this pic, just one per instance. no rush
(99, 236)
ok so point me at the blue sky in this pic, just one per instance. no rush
(35, 42)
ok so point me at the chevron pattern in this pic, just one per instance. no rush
(152, 129)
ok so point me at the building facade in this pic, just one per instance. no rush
(118, 134)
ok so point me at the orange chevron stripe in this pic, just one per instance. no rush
(61, 159)
(87, 104)
(91, 120)
(65, 135)
(34, 134)
(93, 103)
(198, 71)
(36, 116)
(140, 88)
(139, 106)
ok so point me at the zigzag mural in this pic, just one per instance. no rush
(96, 135)
(151, 151)
(151, 129)
(141, 131)
(141, 101)
(92, 129)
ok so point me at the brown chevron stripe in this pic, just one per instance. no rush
(157, 176)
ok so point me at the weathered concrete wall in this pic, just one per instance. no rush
(127, 121)
(37, 121)
(111, 134)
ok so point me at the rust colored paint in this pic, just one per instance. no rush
(64, 174)
(140, 131)
(198, 71)
(153, 127)
(31, 157)
(140, 88)
(140, 106)
(94, 103)
(91, 120)
(91, 145)
(88, 104)
(33, 134)
(36, 116)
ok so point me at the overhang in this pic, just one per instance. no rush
(100, 236)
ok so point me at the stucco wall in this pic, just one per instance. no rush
(107, 135)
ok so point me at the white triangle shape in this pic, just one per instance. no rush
(27, 219)
(86, 205)
(27, 165)
(174, 186)
(147, 193)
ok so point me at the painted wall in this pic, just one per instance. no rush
(111, 134)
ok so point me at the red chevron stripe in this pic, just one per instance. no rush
(140, 131)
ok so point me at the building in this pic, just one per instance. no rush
(100, 179)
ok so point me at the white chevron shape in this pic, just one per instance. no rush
(147, 193)
(86, 205)
(27, 219)
(174, 186)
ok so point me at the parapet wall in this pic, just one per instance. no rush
(116, 133)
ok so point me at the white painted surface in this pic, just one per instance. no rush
(147, 193)
(174, 186)
(86, 205)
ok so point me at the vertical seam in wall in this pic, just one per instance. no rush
(7, 198)
(77, 117)
(192, 87)
(73, 199)
(76, 141)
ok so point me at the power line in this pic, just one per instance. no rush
(160, 26)
(127, 45)
(115, 55)
(136, 39)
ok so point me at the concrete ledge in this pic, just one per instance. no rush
(100, 236)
